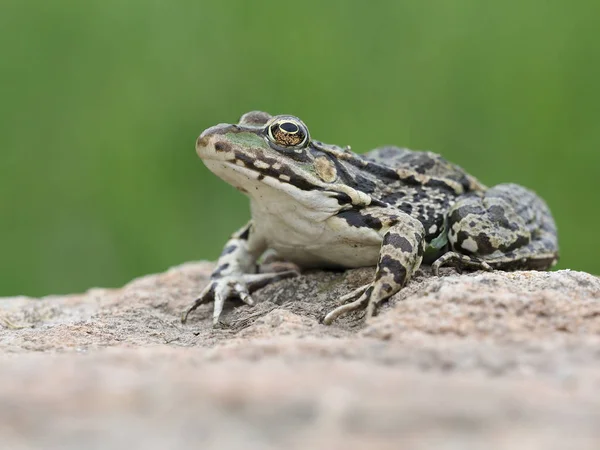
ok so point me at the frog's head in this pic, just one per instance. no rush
(271, 150)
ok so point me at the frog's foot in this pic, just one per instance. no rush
(234, 286)
(368, 296)
(401, 254)
(459, 261)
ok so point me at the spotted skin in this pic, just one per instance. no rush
(505, 227)
(322, 206)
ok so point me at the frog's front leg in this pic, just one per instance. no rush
(400, 256)
(235, 274)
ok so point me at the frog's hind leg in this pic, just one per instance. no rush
(507, 227)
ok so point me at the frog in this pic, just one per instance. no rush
(322, 206)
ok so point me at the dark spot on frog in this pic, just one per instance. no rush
(381, 172)
(295, 179)
(222, 147)
(520, 241)
(484, 246)
(248, 162)
(375, 202)
(498, 215)
(229, 249)
(418, 237)
(354, 180)
(406, 207)
(244, 235)
(460, 213)
(425, 164)
(357, 219)
(421, 244)
(394, 267)
(461, 236)
(342, 198)
(390, 221)
(386, 287)
(434, 182)
(397, 241)
(260, 177)
(393, 197)
(430, 211)
(219, 270)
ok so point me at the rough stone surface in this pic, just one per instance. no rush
(480, 360)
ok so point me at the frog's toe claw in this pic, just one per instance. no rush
(354, 294)
(242, 292)
(362, 300)
(195, 305)
(218, 308)
(205, 296)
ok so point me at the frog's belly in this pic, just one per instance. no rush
(333, 257)
(329, 243)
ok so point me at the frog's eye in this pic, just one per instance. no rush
(287, 132)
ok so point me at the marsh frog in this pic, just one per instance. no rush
(323, 206)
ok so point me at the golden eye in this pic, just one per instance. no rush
(288, 132)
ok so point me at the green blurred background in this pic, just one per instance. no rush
(102, 101)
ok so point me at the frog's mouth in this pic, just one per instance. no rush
(239, 175)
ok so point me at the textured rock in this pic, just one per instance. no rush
(494, 360)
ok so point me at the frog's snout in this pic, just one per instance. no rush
(211, 141)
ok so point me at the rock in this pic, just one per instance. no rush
(494, 360)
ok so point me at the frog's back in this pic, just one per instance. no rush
(424, 163)
(425, 185)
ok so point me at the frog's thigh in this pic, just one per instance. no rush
(507, 227)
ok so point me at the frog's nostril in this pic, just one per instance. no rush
(222, 147)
